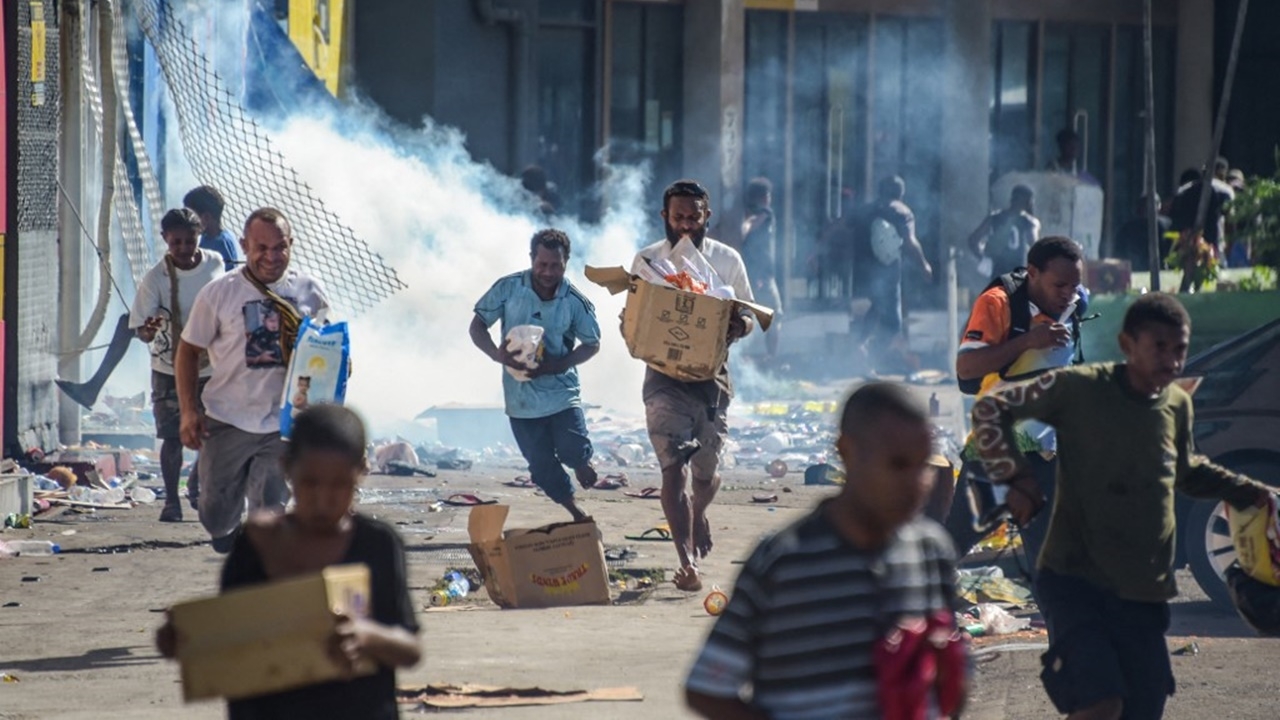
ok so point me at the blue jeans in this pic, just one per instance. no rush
(548, 444)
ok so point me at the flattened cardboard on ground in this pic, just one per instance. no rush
(267, 638)
(465, 696)
(550, 566)
(678, 333)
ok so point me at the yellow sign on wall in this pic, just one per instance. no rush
(316, 29)
(38, 37)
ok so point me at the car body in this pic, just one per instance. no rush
(1237, 424)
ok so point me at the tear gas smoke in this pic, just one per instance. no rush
(452, 226)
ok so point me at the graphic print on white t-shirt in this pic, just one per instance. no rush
(262, 334)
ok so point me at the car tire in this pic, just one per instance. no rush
(1208, 536)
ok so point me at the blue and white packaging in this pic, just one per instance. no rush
(317, 370)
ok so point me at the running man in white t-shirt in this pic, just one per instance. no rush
(238, 430)
(160, 311)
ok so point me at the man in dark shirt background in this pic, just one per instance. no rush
(1187, 202)
(890, 236)
(1005, 236)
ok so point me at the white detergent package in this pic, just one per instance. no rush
(525, 343)
(317, 371)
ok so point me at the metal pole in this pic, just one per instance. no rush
(1219, 124)
(1149, 181)
(70, 238)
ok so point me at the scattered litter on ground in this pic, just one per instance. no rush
(467, 696)
(715, 601)
(988, 584)
(823, 474)
(660, 532)
(649, 493)
(992, 650)
(991, 619)
(1188, 649)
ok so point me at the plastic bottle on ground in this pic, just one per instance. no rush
(32, 547)
(109, 496)
(142, 495)
(457, 586)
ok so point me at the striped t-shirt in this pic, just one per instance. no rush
(797, 637)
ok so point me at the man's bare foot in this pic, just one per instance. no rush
(686, 579)
(702, 537)
(578, 513)
(586, 476)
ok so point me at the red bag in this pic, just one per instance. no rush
(917, 659)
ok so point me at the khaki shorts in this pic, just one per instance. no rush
(675, 418)
(164, 404)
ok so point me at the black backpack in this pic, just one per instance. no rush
(1015, 286)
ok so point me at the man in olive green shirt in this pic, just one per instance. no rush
(1106, 570)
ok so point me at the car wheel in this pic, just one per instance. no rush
(1208, 536)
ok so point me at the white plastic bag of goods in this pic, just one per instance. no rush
(525, 343)
(886, 242)
(317, 371)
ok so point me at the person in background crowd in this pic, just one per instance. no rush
(159, 313)
(1068, 160)
(759, 254)
(1002, 239)
(208, 204)
(891, 234)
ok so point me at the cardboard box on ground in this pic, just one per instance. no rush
(678, 333)
(554, 565)
(270, 637)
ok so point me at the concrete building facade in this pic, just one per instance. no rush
(824, 97)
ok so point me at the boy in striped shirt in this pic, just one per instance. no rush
(798, 639)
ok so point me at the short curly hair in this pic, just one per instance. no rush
(1155, 308)
(552, 239)
(179, 219)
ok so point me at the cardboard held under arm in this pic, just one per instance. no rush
(678, 333)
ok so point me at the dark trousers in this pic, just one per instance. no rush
(1102, 646)
(549, 444)
(960, 519)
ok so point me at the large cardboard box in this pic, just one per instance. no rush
(678, 333)
(561, 564)
(268, 638)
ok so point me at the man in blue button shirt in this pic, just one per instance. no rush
(207, 202)
(546, 410)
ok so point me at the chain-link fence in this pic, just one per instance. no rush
(37, 225)
(226, 148)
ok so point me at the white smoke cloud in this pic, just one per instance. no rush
(447, 224)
